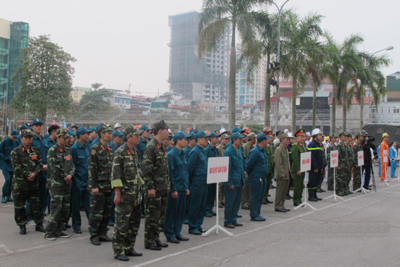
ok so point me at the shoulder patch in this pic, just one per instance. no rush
(93, 152)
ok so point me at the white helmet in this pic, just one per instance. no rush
(285, 131)
(117, 125)
(316, 131)
(223, 130)
(290, 135)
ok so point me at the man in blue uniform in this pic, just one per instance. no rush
(197, 168)
(236, 180)
(79, 192)
(6, 147)
(144, 139)
(179, 189)
(211, 151)
(92, 135)
(97, 140)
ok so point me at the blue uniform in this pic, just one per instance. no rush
(197, 167)
(236, 178)
(140, 147)
(5, 164)
(179, 182)
(257, 169)
(169, 148)
(393, 162)
(379, 160)
(211, 188)
(79, 192)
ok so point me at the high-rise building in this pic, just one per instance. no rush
(204, 81)
(13, 38)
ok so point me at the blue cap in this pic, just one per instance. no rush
(261, 137)
(37, 121)
(91, 129)
(14, 133)
(117, 133)
(23, 127)
(201, 134)
(71, 133)
(180, 135)
(237, 130)
(212, 134)
(237, 135)
(144, 127)
(194, 130)
(81, 130)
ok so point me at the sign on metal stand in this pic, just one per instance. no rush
(360, 162)
(334, 164)
(305, 165)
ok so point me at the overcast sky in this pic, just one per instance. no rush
(124, 42)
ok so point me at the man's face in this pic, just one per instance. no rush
(225, 141)
(203, 141)
(26, 140)
(386, 139)
(214, 141)
(37, 128)
(107, 136)
(192, 142)
(12, 137)
(118, 139)
(146, 134)
(62, 142)
(269, 141)
(285, 141)
(118, 129)
(93, 135)
(171, 142)
(165, 142)
(164, 133)
(360, 139)
(133, 140)
(84, 137)
(320, 138)
(182, 142)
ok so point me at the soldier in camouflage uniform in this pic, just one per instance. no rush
(156, 186)
(60, 171)
(27, 164)
(331, 147)
(126, 180)
(341, 173)
(357, 146)
(271, 165)
(351, 162)
(100, 163)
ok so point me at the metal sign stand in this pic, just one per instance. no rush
(305, 204)
(360, 163)
(334, 195)
(362, 189)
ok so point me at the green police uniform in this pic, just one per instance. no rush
(126, 175)
(100, 164)
(60, 165)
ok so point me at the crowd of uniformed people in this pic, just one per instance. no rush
(119, 176)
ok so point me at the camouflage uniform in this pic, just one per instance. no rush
(100, 164)
(331, 147)
(356, 172)
(25, 163)
(60, 165)
(341, 174)
(126, 175)
(156, 176)
(350, 165)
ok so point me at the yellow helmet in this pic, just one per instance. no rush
(385, 135)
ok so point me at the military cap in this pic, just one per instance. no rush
(237, 130)
(193, 130)
(201, 134)
(300, 132)
(333, 136)
(71, 133)
(82, 130)
(117, 133)
(23, 127)
(283, 135)
(130, 131)
(358, 135)
(261, 137)
(191, 136)
(224, 135)
(213, 134)
(28, 132)
(269, 133)
(160, 125)
(342, 134)
(91, 129)
(62, 133)
(250, 136)
(236, 136)
(104, 128)
(14, 133)
(37, 121)
(180, 135)
(349, 135)
(98, 127)
(144, 127)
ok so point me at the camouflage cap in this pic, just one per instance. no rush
(358, 135)
(224, 136)
(104, 128)
(131, 130)
(62, 133)
(27, 132)
(160, 125)
(251, 136)
(342, 134)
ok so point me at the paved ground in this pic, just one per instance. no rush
(362, 230)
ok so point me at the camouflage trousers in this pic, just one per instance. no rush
(155, 213)
(298, 183)
(356, 178)
(330, 178)
(20, 198)
(341, 180)
(246, 194)
(100, 212)
(127, 222)
(59, 212)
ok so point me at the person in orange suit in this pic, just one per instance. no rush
(384, 146)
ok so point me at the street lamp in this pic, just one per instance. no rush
(279, 70)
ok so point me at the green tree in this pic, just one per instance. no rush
(45, 79)
(96, 86)
(95, 101)
(215, 17)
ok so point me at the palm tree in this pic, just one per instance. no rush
(298, 51)
(214, 19)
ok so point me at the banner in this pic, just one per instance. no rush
(334, 158)
(360, 158)
(218, 169)
(305, 161)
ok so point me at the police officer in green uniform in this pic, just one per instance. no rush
(126, 180)
(298, 176)
(100, 163)
(60, 170)
(27, 164)
(156, 186)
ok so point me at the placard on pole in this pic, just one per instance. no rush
(305, 165)
(218, 169)
(360, 162)
(334, 164)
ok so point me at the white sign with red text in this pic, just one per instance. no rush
(385, 156)
(218, 169)
(334, 158)
(360, 158)
(305, 161)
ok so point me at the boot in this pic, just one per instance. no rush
(315, 195)
(311, 196)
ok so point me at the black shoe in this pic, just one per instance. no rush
(78, 231)
(173, 240)
(264, 202)
(122, 257)
(269, 202)
(105, 239)
(280, 210)
(220, 206)
(213, 213)
(39, 228)
(63, 235)
(209, 215)
(296, 204)
(315, 195)
(246, 208)
(182, 238)
(22, 230)
(133, 253)
(95, 241)
(237, 224)
(311, 196)
(229, 225)
(349, 192)
(64, 228)
(67, 225)
(288, 197)
(239, 216)
(162, 245)
(50, 237)
(287, 209)
(153, 247)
